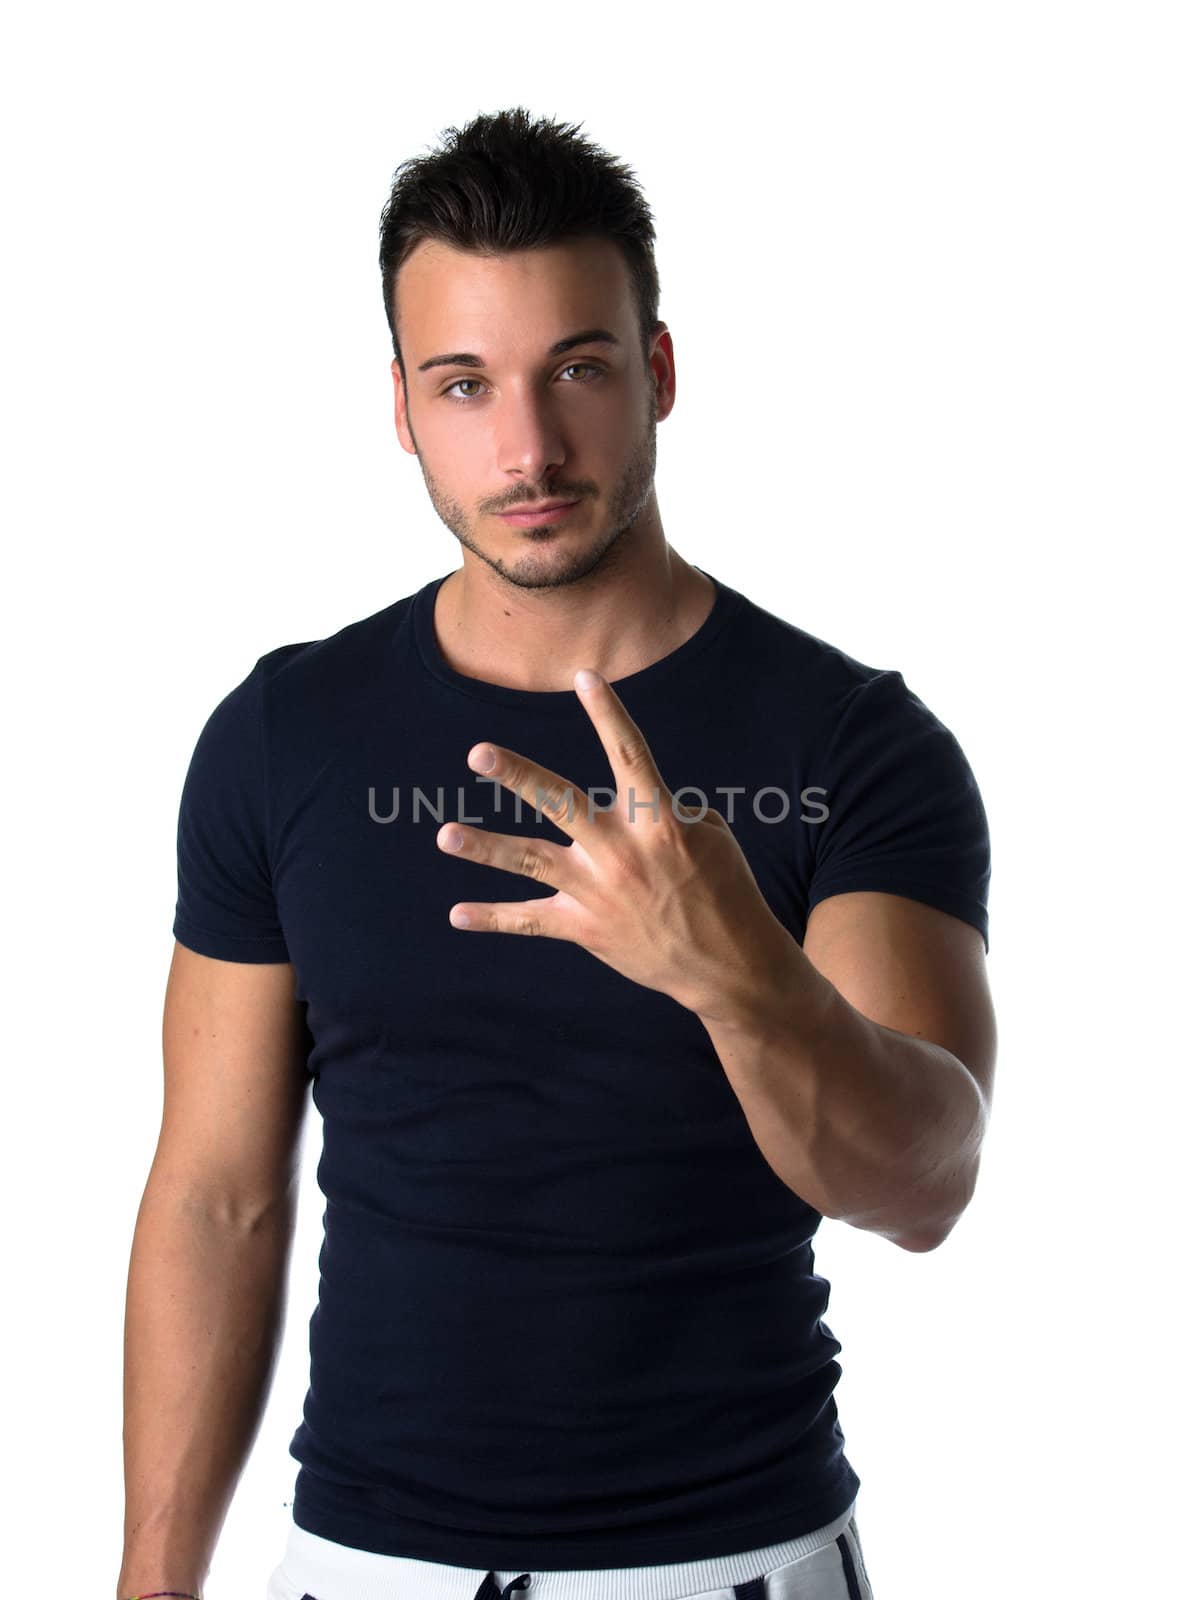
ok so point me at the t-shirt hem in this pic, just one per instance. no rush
(942, 899)
(498, 1551)
(229, 947)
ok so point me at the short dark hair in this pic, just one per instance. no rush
(506, 182)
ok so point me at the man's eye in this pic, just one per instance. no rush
(463, 398)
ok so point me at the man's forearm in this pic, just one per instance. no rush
(206, 1295)
(869, 1126)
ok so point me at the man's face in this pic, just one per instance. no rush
(524, 424)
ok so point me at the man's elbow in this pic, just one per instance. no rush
(923, 1240)
(919, 1244)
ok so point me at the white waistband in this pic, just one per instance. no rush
(328, 1570)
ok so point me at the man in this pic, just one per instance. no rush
(599, 1029)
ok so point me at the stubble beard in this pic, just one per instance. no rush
(571, 560)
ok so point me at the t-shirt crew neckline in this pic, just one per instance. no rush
(725, 604)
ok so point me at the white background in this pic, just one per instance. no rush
(925, 269)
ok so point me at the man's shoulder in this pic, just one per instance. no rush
(315, 691)
(350, 648)
(792, 658)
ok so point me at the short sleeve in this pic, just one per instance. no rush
(226, 907)
(905, 815)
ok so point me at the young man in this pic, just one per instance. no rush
(721, 973)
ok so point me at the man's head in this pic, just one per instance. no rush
(502, 248)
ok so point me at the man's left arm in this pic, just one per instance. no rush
(864, 1060)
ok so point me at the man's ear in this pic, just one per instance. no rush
(400, 410)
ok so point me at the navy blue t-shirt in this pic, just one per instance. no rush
(567, 1315)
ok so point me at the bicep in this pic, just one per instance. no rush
(911, 967)
(234, 1046)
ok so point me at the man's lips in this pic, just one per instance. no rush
(527, 517)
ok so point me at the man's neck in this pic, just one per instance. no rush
(536, 639)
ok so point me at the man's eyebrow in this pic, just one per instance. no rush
(465, 359)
